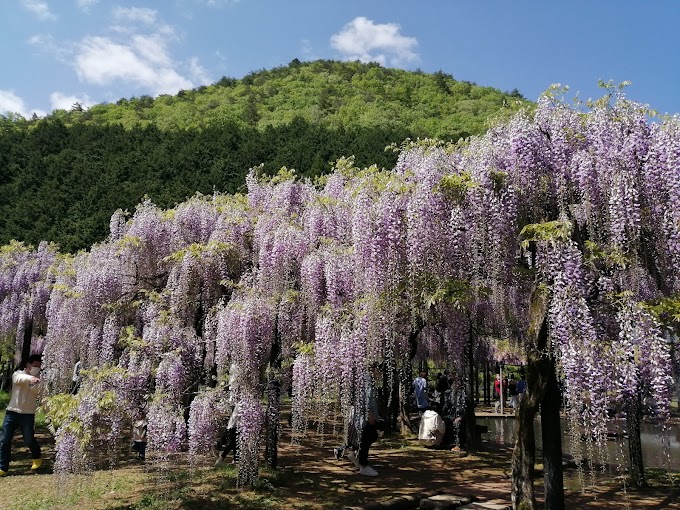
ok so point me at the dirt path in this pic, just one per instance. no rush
(410, 469)
(309, 478)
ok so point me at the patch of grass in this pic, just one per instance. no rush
(149, 502)
(208, 489)
(662, 477)
(4, 400)
(96, 491)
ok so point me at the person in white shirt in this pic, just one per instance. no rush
(432, 429)
(20, 413)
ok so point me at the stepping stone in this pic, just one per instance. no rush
(486, 506)
(444, 501)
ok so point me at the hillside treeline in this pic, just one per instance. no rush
(63, 183)
(63, 176)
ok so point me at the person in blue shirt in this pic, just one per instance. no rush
(420, 393)
(521, 388)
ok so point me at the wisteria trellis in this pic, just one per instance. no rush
(336, 276)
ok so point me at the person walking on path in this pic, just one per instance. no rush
(229, 441)
(20, 413)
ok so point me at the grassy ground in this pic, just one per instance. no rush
(308, 478)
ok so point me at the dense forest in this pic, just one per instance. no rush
(61, 177)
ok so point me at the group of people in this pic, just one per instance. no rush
(442, 418)
(22, 406)
(510, 388)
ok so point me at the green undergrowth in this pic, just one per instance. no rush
(4, 400)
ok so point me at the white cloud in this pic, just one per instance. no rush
(152, 48)
(306, 47)
(44, 43)
(39, 8)
(198, 72)
(102, 61)
(11, 103)
(135, 14)
(219, 3)
(60, 101)
(135, 54)
(362, 39)
(86, 4)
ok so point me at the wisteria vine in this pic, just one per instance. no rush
(332, 276)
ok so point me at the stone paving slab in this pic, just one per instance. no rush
(444, 501)
(486, 506)
(407, 502)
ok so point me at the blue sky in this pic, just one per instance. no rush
(57, 52)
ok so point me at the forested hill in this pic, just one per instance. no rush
(63, 176)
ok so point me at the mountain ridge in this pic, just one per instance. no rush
(330, 93)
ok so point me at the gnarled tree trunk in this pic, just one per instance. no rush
(470, 419)
(551, 428)
(637, 472)
(523, 457)
(404, 420)
(26, 345)
(541, 378)
(272, 423)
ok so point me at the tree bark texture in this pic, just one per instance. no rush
(26, 345)
(523, 457)
(538, 364)
(551, 428)
(470, 419)
(272, 423)
(637, 472)
(393, 407)
(404, 420)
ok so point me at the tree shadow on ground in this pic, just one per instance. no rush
(310, 478)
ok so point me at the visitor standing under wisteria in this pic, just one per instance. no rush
(229, 441)
(20, 413)
(512, 391)
(75, 379)
(420, 393)
(521, 388)
(367, 422)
